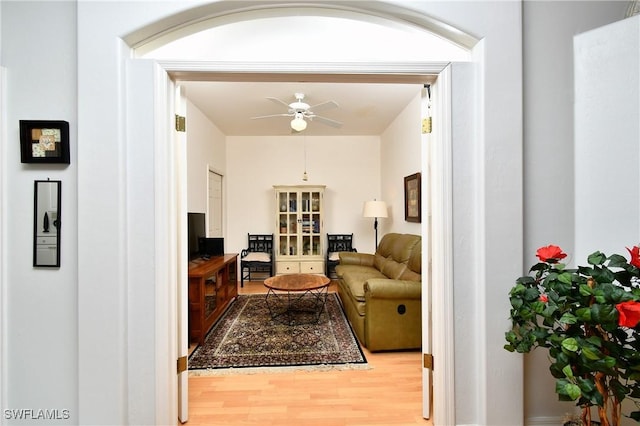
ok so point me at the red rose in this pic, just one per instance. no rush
(635, 256)
(544, 298)
(550, 254)
(629, 313)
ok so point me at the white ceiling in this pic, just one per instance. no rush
(364, 108)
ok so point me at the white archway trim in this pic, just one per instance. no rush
(196, 19)
(205, 69)
(227, 12)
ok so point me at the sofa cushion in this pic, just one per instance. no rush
(254, 256)
(354, 278)
(393, 254)
(403, 246)
(414, 265)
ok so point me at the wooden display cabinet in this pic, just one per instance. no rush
(299, 229)
(213, 284)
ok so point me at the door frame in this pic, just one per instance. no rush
(442, 345)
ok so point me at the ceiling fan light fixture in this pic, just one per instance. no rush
(298, 124)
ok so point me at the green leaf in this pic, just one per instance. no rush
(568, 318)
(531, 294)
(516, 302)
(595, 340)
(538, 307)
(618, 389)
(596, 258)
(565, 278)
(586, 385)
(585, 290)
(568, 372)
(517, 289)
(573, 391)
(601, 313)
(570, 344)
(566, 388)
(584, 314)
(591, 353)
(617, 261)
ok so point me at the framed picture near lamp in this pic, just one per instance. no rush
(44, 141)
(412, 198)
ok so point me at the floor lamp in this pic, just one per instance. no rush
(375, 209)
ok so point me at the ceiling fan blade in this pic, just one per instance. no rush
(323, 106)
(272, 115)
(327, 121)
(278, 101)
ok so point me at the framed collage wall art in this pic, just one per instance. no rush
(44, 141)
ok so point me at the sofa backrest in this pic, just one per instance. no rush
(399, 256)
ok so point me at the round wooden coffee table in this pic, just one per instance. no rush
(300, 298)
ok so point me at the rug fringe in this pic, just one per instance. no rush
(270, 370)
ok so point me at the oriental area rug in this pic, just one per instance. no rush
(247, 339)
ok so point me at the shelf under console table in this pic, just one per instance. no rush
(213, 284)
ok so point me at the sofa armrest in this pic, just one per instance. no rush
(355, 258)
(380, 288)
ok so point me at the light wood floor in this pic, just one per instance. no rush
(389, 393)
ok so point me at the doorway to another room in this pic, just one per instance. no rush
(285, 69)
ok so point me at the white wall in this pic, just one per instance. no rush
(607, 148)
(41, 323)
(348, 166)
(400, 156)
(549, 28)
(205, 151)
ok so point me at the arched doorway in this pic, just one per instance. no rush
(185, 70)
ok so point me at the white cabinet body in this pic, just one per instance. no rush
(299, 245)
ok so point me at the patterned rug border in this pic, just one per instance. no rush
(259, 369)
(229, 371)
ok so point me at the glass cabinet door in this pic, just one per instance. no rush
(288, 221)
(299, 223)
(310, 220)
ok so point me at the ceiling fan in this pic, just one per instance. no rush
(301, 111)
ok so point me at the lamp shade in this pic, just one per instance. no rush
(374, 209)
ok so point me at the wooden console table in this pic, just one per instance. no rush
(213, 284)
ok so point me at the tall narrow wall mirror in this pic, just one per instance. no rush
(46, 223)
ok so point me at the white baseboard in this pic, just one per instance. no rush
(543, 421)
(535, 421)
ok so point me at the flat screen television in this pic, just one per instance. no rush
(196, 228)
(211, 247)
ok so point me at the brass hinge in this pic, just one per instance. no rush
(428, 361)
(426, 125)
(182, 364)
(181, 123)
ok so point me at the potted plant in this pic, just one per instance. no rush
(588, 319)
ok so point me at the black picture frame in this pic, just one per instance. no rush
(413, 198)
(44, 141)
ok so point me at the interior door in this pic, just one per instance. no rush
(182, 302)
(427, 384)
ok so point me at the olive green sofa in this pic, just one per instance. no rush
(381, 293)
